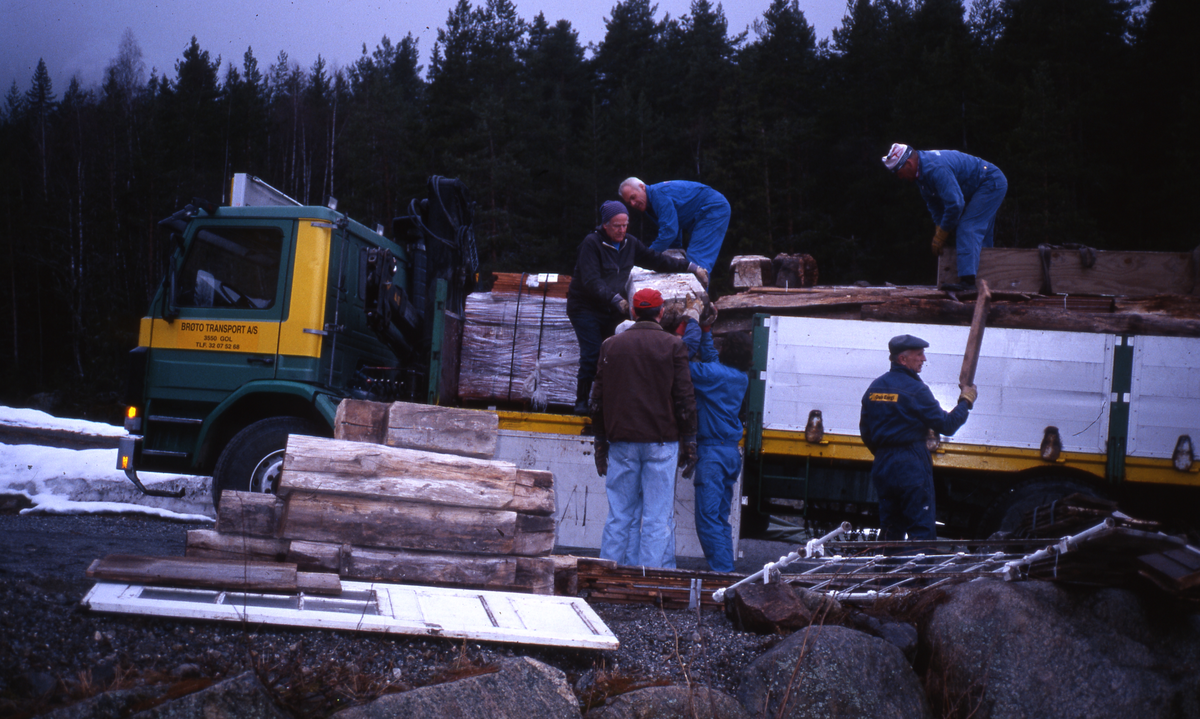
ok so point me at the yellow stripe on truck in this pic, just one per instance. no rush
(306, 310)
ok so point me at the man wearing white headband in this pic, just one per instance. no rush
(963, 194)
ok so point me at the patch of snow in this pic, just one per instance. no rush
(20, 417)
(67, 481)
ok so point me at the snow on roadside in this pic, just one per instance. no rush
(66, 481)
(20, 417)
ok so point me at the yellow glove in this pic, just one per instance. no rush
(970, 394)
(939, 238)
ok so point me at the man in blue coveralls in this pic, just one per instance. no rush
(720, 382)
(682, 208)
(963, 194)
(898, 410)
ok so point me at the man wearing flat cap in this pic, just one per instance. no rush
(898, 410)
(644, 418)
(596, 301)
(963, 194)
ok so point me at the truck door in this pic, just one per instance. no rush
(217, 329)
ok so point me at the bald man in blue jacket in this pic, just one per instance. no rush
(681, 208)
(963, 194)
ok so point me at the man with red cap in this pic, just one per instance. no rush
(644, 416)
(963, 194)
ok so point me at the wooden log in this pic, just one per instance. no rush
(449, 430)
(1022, 316)
(318, 583)
(210, 544)
(413, 525)
(193, 572)
(353, 469)
(254, 514)
(501, 573)
(752, 271)
(317, 556)
(359, 420)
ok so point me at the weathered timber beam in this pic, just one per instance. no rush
(413, 525)
(355, 469)
(253, 514)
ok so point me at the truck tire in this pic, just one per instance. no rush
(253, 458)
(1007, 511)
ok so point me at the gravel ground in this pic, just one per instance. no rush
(52, 652)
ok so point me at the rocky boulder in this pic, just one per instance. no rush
(1001, 650)
(522, 688)
(832, 671)
(673, 702)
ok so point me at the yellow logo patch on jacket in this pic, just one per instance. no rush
(883, 397)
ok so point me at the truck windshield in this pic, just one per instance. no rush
(231, 267)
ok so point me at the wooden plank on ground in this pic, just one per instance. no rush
(254, 514)
(353, 469)
(210, 544)
(194, 572)
(449, 430)
(414, 525)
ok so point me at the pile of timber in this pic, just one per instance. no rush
(602, 580)
(1142, 293)
(368, 511)
(1073, 514)
(517, 343)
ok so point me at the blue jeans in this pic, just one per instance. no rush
(977, 226)
(717, 470)
(591, 329)
(640, 527)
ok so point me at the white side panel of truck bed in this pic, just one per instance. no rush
(1027, 379)
(1166, 395)
(579, 492)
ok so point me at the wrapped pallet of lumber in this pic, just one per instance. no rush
(518, 345)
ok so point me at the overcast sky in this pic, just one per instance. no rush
(80, 37)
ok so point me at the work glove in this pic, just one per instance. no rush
(700, 273)
(939, 238)
(708, 316)
(693, 314)
(687, 456)
(621, 305)
(969, 393)
(600, 454)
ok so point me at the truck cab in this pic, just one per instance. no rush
(269, 316)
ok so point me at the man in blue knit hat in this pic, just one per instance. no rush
(898, 410)
(682, 209)
(596, 301)
(963, 194)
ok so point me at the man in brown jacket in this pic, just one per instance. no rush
(644, 415)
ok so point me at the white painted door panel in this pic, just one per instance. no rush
(386, 608)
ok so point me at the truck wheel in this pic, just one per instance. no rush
(1009, 509)
(252, 460)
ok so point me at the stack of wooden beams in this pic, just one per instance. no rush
(1073, 514)
(368, 511)
(602, 580)
(517, 344)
